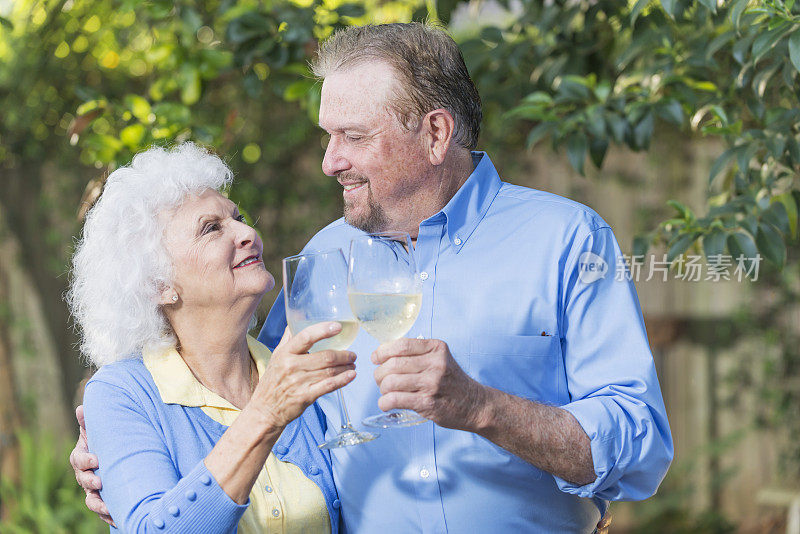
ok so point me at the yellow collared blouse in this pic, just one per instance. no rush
(283, 500)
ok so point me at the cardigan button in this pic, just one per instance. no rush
(159, 523)
(336, 504)
(191, 495)
(281, 449)
(205, 480)
(173, 511)
(314, 470)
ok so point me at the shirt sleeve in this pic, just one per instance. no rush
(612, 382)
(141, 486)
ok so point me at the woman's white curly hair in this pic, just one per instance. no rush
(120, 263)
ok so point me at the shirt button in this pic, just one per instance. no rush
(314, 470)
(268, 489)
(280, 449)
(424, 473)
(336, 503)
(457, 241)
(420, 336)
(173, 511)
(423, 275)
(191, 495)
(159, 523)
(276, 512)
(205, 480)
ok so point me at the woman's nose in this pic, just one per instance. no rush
(246, 235)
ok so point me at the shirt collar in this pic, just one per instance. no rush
(471, 202)
(177, 385)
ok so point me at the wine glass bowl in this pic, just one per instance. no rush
(385, 293)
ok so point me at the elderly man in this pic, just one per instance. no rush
(530, 360)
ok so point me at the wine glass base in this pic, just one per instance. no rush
(348, 438)
(395, 419)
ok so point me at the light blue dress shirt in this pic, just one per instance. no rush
(520, 284)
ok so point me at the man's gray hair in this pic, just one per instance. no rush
(120, 263)
(429, 65)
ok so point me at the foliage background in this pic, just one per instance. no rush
(86, 84)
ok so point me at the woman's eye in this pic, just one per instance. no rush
(213, 227)
(241, 219)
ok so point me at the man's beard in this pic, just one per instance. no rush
(374, 220)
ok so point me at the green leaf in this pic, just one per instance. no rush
(539, 132)
(597, 151)
(493, 34)
(297, 90)
(750, 223)
(738, 7)
(538, 98)
(711, 5)
(671, 110)
(529, 112)
(714, 242)
(683, 210)
(190, 87)
(744, 154)
(790, 208)
(139, 107)
(794, 49)
(670, 6)
(777, 216)
(643, 132)
(637, 8)
(576, 151)
(6, 23)
(770, 243)
(132, 135)
(680, 244)
(720, 164)
(741, 244)
(596, 124)
(766, 41)
(641, 243)
(618, 126)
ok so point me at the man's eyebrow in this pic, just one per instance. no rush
(345, 127)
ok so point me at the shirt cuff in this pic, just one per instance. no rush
(197, 500)
(601, 445)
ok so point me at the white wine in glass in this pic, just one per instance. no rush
(315, 290)
(385, 293)
(386, 316)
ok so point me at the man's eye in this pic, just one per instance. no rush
(354, 137)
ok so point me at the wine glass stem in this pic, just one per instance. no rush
(345, 418)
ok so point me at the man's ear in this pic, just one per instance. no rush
(438, 127)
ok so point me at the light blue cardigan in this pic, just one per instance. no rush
(151, 456)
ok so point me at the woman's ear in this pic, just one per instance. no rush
(168, 296)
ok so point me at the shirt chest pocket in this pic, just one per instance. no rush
(525, 366)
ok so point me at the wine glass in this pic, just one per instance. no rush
(385, 293)
(315, 290)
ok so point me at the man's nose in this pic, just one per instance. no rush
(334, 161)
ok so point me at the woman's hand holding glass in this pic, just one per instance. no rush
(294, 379)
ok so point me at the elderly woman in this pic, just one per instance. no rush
(197, 427)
